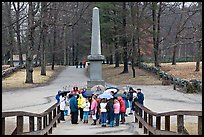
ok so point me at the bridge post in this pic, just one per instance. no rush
(31, 123)
(54, 115)
(199, 125)
(180, 124)
(39, 123)
(3, 126)
(50, 120)
(19, 124)
(145, 119)
(158, 122)
(150, 122)
(167, 123)
(140, 114)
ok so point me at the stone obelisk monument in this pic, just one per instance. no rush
(95, 58)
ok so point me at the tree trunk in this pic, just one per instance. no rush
(44, 38)
(11, 35)
(117, 63)
(177, 36)
(198, 57)
(54, 37)
(30, 47)
(125, 52)
(18, 34)
(65, 47)
(73, 47)
(155, 33)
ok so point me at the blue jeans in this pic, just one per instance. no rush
(66, 112)
(103, 118)
(86, 115)
(130, 104)
(111, 115)
(116, 116)
(122, 116)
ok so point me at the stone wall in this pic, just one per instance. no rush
(188, 86)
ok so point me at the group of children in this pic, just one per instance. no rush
(106, 111)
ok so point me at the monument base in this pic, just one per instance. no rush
(91, 83)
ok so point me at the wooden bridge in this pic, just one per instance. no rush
(42, 124)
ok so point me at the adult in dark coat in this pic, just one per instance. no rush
(130, 98)
(140, 96)
(110, 112)
(74, 109)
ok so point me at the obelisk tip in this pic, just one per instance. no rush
(95, 8)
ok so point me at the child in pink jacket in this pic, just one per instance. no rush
(116, 107)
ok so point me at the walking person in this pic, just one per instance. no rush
(110, 112)
(62, 106)
(81, 101)
(103, 112)
(116, 107)
(122, 109)
(140, 96)
(130, 98)
(66, 105)
(73, 109)
(86, 109)
(93, 109)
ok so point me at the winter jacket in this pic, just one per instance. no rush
(73, 104)
(81, 101)
(126, 103)
(62, 103)
(109, 107)
(86, 106)
(94, 105)
(57, 97)
(122, 104)
(116, 107)
(103, 107)
(75, 92)
(130, 95)
(140, 97)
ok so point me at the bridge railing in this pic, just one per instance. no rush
(45, 121)
(145, 118)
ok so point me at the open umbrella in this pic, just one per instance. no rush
(87, 93)
(98, 92)
(64, 91)
(113, 87)
(111, 90)
(97, 87)
(122, 95)
(105, 95)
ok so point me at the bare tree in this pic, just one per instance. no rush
(44, 37)
(124, 39)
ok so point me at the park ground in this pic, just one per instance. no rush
(154, 94)
(110, 75)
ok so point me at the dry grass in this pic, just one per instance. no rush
(192, 128)
(112, 75)
(17, 79)
(183, 70)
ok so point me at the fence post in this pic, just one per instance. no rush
(140, 113)
(50, 120)
(58, 111)
(45, 122)
(180, 124)
(145, 119)
(54, 115)
(3, 125)
(136, 110)
(158, 122)
(150, 123)
(199, 125)
(19, 124)
(167, 123)
(174, 84)
(39, 123)
(31, 123)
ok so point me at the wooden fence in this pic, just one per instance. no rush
(45, 121)
(145, 118)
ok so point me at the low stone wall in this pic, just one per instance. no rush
(7, 72)
(189, 86)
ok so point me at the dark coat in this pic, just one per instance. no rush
(73, 104)
(109, 107)
(140, 97)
